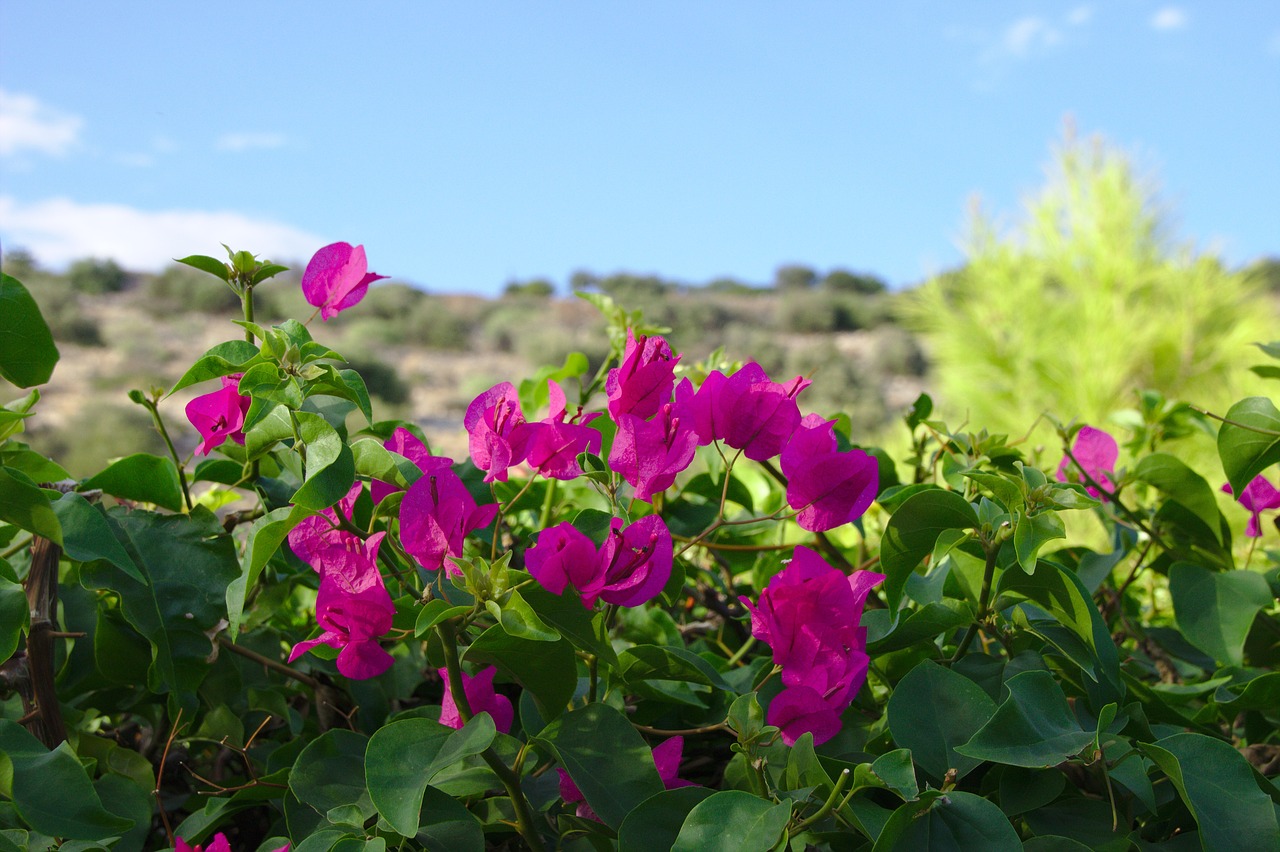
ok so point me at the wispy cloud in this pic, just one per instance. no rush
(28, 125)
(1080, 15)
(238, 142)
(1169, 18)
(59, 230)
(1026, 35)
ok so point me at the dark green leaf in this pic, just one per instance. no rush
(547, 669)
(265, 537)
(446, 825)
(948, 822)
(434, 612)
(207, 264)
(932, 711)
(396, 767)
(1034, 532)
(1033, 727)
(24, 505)
(87, 535)
(656, 823)
(655, 662)
(1219, 788)
(732, 820)
(14, 615)
(52, 790)
(927, 622)
(141, 477)
(27, 351)
(606, 758)
(330, 773)
(575, 622)
(913, 530)
(1215, 610)
(1251, 447)
(331, 468)
(1182, 485)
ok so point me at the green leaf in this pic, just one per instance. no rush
(925, 623)
(446, 824)
(912, 531)
(267, 382)
(267, 270)
(27, 351)
(518, 619)
(948, 822)
(658, 662)
(35, 466)
(207, 264)
(141, 477)
(1182, 485)
(1215, 610)
(1034, 532)
(24, 504)
(434, 612)
(575, 622)
(375, 461)
(1033, 727)
(547, 669)
(1251, 447)
(345, 384)
(932, 711)
(52, 791)
(331, 469)
(330, 773)
(265, 537)
(656, 823)
(87, 535)
(188, 562)
(1219, 788)
(15, 613)
(606, 758)
(222, 360)
(732, 820)
(404, 756)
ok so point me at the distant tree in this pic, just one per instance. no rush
(793, 276)
(1265, 273)
(844, 281)
(628, 289)
(539, 288)
(96, 276)
(180, 289)
(19, 263)
(732, 286)
(583, 280)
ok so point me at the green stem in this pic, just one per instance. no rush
(827, 806)
(510, 780)
(1235, 423)
(984, 600)
(150, 405)
(247, 301)
(593, 666)
(548, 503)
(16, 548)
(1114, 498)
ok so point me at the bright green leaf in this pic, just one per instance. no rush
(27, 351)
(141, 477)
(913, 530)
(1251, 447)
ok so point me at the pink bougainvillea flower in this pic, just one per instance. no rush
(315, 534)
(827, 487)
(218, 844)
(642, 383)
(480, 697)
(498, 433)
(798, 710)
(635, 563)
(219, 415)
(1258, 496)
(436, 516)
(354, 608)
(666, 759)
(336, 278)
(748, 411)
(405, 443)
(555, 443)
(562, 557)
(649, 454)
(1096, 451)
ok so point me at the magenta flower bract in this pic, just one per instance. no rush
(635, 563)
(1258, 496)
(809, 614)
(1096, 451)
(649, 454)
(497, 431)
(555, 443)
(436, 516)
(405, 443)
(218, 844)
(353, 607)
(337, 277)
(642, 383)
(828, 488)
(748, 411)
(562, 556)
(315, 534)
(219, 415)
(480, 697)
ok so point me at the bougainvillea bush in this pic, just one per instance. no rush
(658, 606)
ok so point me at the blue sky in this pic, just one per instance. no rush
(466, 145)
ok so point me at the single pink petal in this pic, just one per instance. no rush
(800, 710)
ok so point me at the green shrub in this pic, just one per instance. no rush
(95, 276)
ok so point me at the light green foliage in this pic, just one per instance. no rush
(1086, 301)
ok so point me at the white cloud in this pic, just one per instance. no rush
(27, 124)
(1080, 15)
(1169, 18)
(58, 231)
(1027, 34)
(238, 142)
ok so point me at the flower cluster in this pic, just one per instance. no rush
(353, 607)
(629, 569)
(809, 614)
(500, 437)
